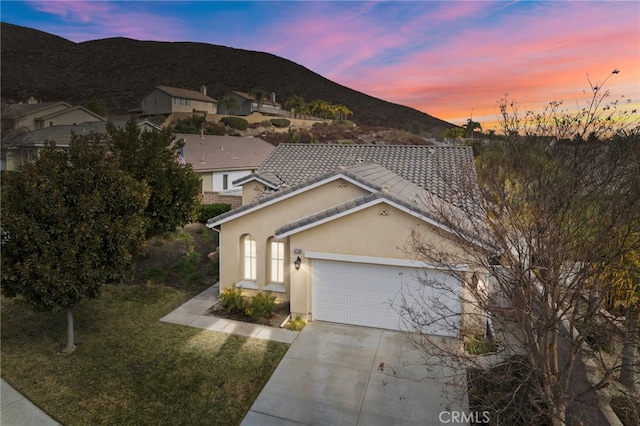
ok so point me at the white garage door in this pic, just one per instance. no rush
(373, 295)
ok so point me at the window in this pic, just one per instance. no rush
(181, 101)
(277, 261)
(225, 181)
(249, 254)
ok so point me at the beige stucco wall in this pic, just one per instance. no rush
(379, 231)
(76, 116)
(262, 223)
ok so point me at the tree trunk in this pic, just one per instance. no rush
(558, 415)
(71, 342)
(630, 348)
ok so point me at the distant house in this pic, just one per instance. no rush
(35, 115)
(165, 100)
(27, 146)
(246, 104)
(220, 160)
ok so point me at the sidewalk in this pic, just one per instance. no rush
(16, 410)
(192, 314)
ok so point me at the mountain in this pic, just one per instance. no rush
(121, 71)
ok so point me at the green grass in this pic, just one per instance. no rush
(129, 367)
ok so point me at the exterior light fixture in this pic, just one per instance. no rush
(297, 263)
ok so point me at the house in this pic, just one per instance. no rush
(35, 115)
(164, 100)
(26, 146)
(323, 226)
(246, 104)
(221, 160)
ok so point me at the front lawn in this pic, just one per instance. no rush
(129, 367)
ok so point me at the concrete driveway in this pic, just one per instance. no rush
(336, 374)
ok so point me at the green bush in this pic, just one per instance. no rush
(207, 211)
(280, 122)
(260, 306)
(345, 123)
(233, 301)
(479, 345)
(215, 129)
(296, 324)
(193, 257)
(156, 275)
(235, 123)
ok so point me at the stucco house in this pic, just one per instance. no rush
(323, 226)
(246, 104)
(164, 100)
(221, 160)
(35, 115)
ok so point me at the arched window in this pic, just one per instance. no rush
(249, 268)
(276, 264)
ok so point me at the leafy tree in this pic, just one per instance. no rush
(228, 102)
(298, 105)
(99, 107)
(151, 157)
(72, 221)
(471, 127)
(537, 234)
(259, 95)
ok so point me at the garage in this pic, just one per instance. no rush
(371, 294)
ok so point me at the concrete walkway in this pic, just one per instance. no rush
(16, 410)
(192, 314)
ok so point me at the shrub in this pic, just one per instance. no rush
(185, 236)
(479, 345)
(280, 122)
(233, 301)
(321, 124)
(156, 275)
(182, 268)
(235, 123)
(260, 306)
(207, 211)
(193, 257)
(296, 324)
(345, 123)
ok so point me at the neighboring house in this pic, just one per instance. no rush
(324, 226)
(39, 115)
(220, 160)
(165, 100)
(26, 146)
(246, 104)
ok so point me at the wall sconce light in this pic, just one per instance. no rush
(297, 263)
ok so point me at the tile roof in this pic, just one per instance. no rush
(429, 167)
(20, 110)
(185, 93)
(224, 152)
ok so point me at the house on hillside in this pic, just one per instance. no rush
(323, 226)
(26, 146)
(35, 115)
(164, 100)
(221, 160)
(246, 104)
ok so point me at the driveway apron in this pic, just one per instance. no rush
(336, 374)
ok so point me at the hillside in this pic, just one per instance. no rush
(121, 71)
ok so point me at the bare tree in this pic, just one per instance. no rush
(548, 218)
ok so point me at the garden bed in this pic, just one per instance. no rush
(280, 313)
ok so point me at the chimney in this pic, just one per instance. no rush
(273, 97)
(203, 90)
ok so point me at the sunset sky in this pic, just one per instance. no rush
(449, 59)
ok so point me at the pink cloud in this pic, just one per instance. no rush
(101, 19)
(539, 58)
